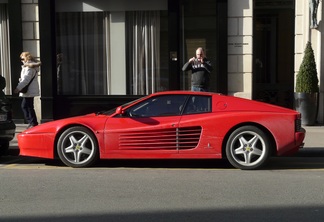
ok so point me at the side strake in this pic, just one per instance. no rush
(165, 139)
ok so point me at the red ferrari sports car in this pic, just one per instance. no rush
(171, 125)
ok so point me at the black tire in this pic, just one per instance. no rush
(4, 147)
(248, 148)
(77, 147)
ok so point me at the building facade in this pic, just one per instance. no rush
(97, 54)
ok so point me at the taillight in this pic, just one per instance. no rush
(298, 125)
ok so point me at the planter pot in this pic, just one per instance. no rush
(307, 105)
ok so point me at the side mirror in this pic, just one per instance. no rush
(119, 110)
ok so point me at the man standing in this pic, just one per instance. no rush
(200, 68)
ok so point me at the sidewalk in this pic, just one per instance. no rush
(314, 136)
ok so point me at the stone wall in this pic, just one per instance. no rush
(240, 45)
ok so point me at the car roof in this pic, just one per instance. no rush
(184, 92)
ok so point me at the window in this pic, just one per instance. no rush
(198, 104)
(170, 105)
(147, 51)
(82, 63)
(104, 48)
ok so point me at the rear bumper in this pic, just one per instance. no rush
(300, 136)
(296, 145)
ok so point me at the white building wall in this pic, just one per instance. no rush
(30, 36)
(240, 48)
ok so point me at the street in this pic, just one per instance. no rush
(287, 189)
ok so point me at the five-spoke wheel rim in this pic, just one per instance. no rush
(248, 148)
(77, 147)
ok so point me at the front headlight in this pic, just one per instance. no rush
(5, 108)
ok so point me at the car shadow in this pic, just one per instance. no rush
(307, 158)
(171, 164)
(248, 213)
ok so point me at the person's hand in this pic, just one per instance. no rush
(16, 90)
(192, 59)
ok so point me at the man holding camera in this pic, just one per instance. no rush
(200, 68)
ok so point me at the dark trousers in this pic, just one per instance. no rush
(27, 106)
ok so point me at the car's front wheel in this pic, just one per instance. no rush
(248, 148)
(77, 147)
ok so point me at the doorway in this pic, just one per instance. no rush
(273, 52)
(198, 29)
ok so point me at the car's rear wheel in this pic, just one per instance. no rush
(248, 148)
(77, 147)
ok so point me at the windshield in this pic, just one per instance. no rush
(112, 111)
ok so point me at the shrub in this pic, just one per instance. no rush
(307, 80)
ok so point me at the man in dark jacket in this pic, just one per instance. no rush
(200, 68)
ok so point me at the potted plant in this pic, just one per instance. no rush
(306, 95)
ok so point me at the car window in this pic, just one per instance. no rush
(166, 105)
(198, 104)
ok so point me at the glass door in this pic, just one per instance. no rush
(198, 29)
(273, 52)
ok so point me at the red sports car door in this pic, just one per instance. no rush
(146, 129)
(140, 136)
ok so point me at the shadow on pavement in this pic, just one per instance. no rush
(307, 158)
(250, 214)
